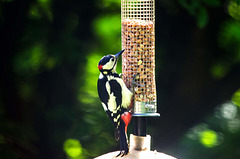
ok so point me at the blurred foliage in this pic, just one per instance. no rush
(198, 9)
(229, 39)
(49, 107)
(39, 8)
(108, 34)
(211, 138)
(230, 35)
(234, 9)
(236, 98)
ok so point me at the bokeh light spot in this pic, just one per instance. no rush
(209, 138)
(219, 70)
(228, 110)
(103, 28)
(72, 147)
(234, 125)
(91, 76)
(34, 12)
(236, 98)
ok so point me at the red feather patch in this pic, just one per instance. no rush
(100, 67)
(126, 117)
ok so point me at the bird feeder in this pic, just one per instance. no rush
(138, 69)
(138, 40)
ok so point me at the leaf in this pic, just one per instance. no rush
(202, 17)
(191, 5)
(234, 10)
(237, 1)
(229, 34)
(236, 98)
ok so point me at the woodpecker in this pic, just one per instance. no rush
(116, 98)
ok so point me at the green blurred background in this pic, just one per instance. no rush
(50, 49)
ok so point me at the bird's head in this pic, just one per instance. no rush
(108, 63)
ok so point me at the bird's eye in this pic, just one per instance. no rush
(112, 59)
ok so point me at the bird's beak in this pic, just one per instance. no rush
(119, 54)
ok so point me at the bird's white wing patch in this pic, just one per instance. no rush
(112, 105)
(126, 93)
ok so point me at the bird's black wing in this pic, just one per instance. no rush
(120, 133)
(102, 91)
(116, 89)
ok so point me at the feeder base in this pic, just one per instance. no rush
(134, 154)
(139, 149)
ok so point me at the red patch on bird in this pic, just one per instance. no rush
(126, 117)
(100, 67)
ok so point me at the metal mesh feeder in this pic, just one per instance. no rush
(138, 40)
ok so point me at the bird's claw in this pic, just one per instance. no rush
(122, 153)
(119, 154)
(135, 83)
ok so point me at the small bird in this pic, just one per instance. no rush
(116, 98)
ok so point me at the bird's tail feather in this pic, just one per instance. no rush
(123, 140)
(117, 133)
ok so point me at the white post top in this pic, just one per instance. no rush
(139, 149)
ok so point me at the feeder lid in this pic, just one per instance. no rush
(146, 114)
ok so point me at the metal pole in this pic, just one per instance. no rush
(139, 126)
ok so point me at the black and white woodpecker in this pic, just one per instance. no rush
(116, 98)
